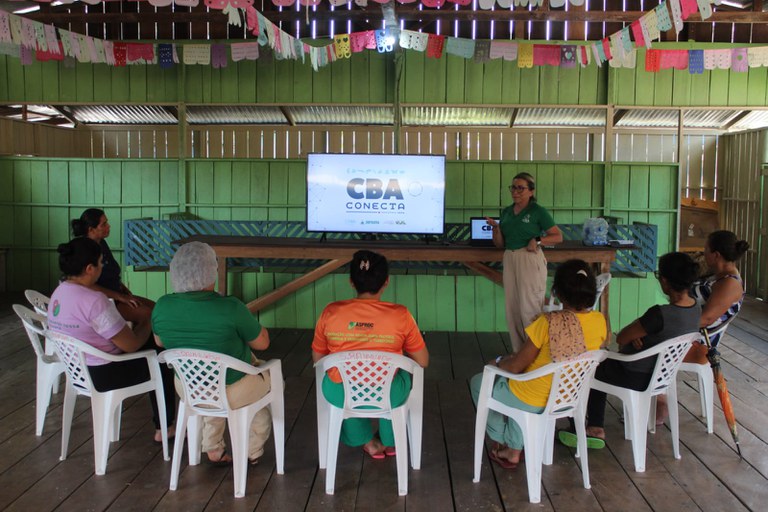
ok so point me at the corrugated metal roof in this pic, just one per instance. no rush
(235, 115)
(754, 120)
(122, 114)
(412, 115)
(369, 115)
(572, 117)
(457, 116)
(666, 118)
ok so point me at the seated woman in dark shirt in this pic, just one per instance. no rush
(677, 272)
(93, 224)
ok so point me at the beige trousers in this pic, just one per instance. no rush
(525, 283)
(246, 391)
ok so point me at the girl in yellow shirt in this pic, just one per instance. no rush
(551, 337)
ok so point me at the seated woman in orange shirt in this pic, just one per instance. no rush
(367, 323)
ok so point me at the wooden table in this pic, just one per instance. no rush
(339, 253)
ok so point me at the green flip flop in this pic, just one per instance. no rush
(569, 439)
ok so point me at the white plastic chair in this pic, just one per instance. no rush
(203, 377)
(706, 391)
(361, 400)
(637, 404)
(106, 407)
(49, 368)
(602, 280)
(567, 397)
(38, 300)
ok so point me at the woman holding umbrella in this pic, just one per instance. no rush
(721, 294)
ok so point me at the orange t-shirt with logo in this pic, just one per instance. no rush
(364, 324)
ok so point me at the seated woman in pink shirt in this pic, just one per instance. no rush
(86, 314)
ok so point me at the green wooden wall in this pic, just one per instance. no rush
(38, 197)
(369, 77)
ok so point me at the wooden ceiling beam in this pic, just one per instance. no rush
(375, 17)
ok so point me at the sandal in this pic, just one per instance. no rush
(223, 461)
(570, 440)
(390, 451)
(503, 463)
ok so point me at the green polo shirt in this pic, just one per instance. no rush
(529, 223)
(206, 321)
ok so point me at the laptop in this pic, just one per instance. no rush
(480, 234)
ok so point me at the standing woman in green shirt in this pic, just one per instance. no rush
(522, 229)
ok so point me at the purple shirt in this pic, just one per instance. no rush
(86, 315)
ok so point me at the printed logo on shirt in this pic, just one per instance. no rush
(527, 218)
(360, 325)
(56, 307)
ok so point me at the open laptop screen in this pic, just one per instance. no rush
(480, 232)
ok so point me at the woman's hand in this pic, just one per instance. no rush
(533, 245)
(498, 238)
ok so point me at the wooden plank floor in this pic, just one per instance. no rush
(710, 475)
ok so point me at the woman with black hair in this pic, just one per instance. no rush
(368, 323)
(677, 272)
(80, 311)
(552, 337)
(93, 224)
(720, 295)
(521, 230)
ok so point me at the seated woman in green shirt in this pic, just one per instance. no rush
(197, 317)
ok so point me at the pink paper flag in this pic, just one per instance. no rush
(244, 51)
(677, 59)
(607, 49)
(546, 55)
(27, 56)
(637, 32)
(5, 28)
(689, 7)
(358, 40)
(739, 60)
(50, 36)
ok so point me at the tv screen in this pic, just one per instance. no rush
(376, 193)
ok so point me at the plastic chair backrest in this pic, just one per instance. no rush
(35, 325)
(203, 375)
(568, 380)
(38, 300)
(71, 352)
(367, 377)
(670, 356)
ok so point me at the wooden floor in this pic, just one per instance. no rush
(710, 475)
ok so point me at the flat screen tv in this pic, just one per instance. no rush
(376, 194)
